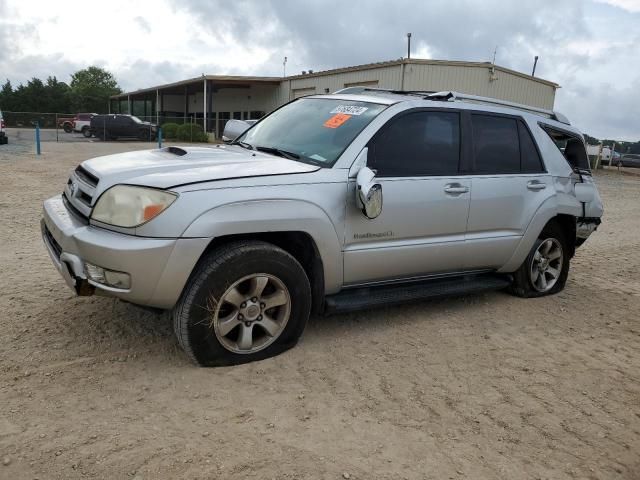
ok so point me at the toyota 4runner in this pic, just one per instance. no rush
(330, 203)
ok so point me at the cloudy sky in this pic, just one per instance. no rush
(590, 47)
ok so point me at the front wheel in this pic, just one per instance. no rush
(86, 132)
(546, 268)
(245, 301)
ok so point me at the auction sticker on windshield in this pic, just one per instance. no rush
(337, 120)
(349, 109)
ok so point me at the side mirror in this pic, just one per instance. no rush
(368, 193)
(233, 129)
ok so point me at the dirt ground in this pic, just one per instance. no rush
(480, 387)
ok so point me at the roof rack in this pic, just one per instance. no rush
(357, 90)
(453, 96)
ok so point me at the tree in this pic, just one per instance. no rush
(57, 96)
(6, 96)
(591, 140)
(91, 89)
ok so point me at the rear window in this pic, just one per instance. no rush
(572, 147)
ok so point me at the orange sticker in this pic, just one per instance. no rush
(337, 120)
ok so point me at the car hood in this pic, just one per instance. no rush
(173, 166)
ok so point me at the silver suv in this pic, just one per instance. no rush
(330, 203)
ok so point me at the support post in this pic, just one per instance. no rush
(157, 108)
(159, 137)
(37, 138)
(204, 107)
(186, 104)
(129, 104)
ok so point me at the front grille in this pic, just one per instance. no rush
(80, 192)
(74, 210)
(87, 177)
(55, 246)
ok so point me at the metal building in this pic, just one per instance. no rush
(211, 100)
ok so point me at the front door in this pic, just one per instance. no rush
(421, 230)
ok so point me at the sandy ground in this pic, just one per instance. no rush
(480, 387)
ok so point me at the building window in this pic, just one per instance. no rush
(256, 115)
(366, 83)
(302, 92)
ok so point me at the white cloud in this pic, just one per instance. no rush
(628, 5)
(588, 47)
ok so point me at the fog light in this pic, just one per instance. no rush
(95, 273)
(108, 277)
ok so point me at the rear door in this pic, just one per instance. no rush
(421, 229)
(508, 185)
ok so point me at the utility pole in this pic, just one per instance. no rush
(535, 62)
(284, 67)
(408, 45)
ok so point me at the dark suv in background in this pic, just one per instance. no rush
(112, 127)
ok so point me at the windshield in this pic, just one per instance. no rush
(136, 119)
(312, 130)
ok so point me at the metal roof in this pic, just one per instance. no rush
(239, 79)
(227, 79)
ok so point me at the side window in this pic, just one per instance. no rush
(496, 144)
(530, 161)
(417, 144)
(571, 147)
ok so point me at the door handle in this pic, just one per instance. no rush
(455, 188)
(536, 185)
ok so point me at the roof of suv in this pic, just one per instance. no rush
(448, 98)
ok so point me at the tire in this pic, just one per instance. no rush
(144, 135)
(68, 128)
(524, 285)
(86, 132)
(4, 140)
(234, 272)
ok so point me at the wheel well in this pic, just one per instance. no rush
(567, 223)
(299, 245)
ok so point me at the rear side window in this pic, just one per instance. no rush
(571, 147)
(496, 144)
(530, 161)
(424, 143)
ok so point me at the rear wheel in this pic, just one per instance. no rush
(67, 127)
(245, 301)
(546, 268)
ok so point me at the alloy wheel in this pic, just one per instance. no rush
(252, 313)
(546, 265)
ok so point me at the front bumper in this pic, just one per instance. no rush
(159, 268)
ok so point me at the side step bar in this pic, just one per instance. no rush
(367, 297)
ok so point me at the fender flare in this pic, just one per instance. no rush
(276, 215)
(548, 210)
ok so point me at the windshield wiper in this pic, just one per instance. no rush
(246, 145)
(279, 152)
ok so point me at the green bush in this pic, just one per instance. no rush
(192, 132)
(170, 130)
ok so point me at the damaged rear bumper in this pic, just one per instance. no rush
(585, 226)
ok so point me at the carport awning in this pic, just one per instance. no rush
(194, 85)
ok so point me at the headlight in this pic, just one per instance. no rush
(128, 206)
